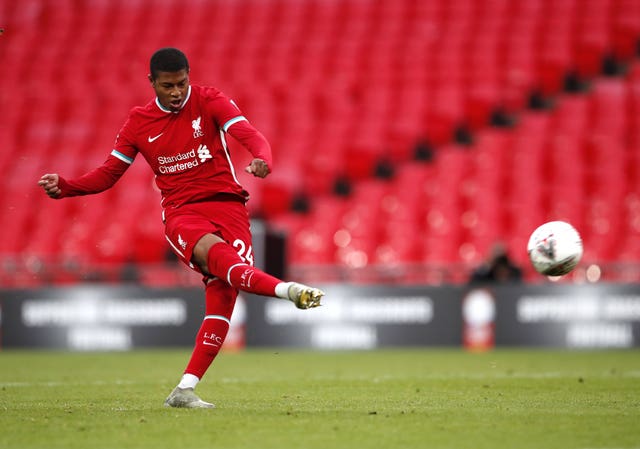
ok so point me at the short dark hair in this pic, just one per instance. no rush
(167, 60)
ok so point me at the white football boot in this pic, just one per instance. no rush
(185, 398)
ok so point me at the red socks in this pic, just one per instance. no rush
(225, 263)
(232, 273)
(220, 300)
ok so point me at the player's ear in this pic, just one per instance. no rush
(150, 78)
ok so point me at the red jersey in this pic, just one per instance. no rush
(187, 150)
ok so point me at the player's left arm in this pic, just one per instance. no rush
(231, 120)
(258, 146)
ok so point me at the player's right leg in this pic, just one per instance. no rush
(185, 398)
(220, 300)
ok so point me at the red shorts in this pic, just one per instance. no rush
(185, 225)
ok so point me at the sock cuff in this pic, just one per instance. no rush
(188, 381)
(231, 269)
(222, 259)
(282, 290)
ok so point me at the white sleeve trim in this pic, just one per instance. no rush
(233, 121)
(122, 157)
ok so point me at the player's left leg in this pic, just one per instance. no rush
(216, 257)
(215, 239)
(220, 299)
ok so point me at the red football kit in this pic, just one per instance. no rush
(187, 151)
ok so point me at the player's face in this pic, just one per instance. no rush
(171, 88)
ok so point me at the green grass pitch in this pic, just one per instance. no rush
(436, 398)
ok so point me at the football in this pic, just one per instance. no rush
(555, 248)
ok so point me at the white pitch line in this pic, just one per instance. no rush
(67, 384)
(377, 379)
(458, 376)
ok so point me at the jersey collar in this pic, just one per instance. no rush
(163, 109)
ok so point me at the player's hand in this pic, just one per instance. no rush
(258, 168)
(49, 183)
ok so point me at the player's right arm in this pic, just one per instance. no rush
(100, 178)
(49, 182)
(95, 181)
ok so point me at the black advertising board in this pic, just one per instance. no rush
(359, 317)
(94, 317)
(99, 317)
(571, 316)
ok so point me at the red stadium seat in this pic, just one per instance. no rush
(337, 87)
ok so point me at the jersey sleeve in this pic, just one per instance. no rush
(97, 180)
(230, 119)
(106, 175)
(252, 140)
(125, 148)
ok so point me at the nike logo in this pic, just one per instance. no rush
(151, 139)
(208, 344)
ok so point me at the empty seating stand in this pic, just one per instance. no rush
(344, 90)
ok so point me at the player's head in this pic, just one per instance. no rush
(167, 60)
(169, 77)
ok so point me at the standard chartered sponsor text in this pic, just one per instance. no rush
(176, 164)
